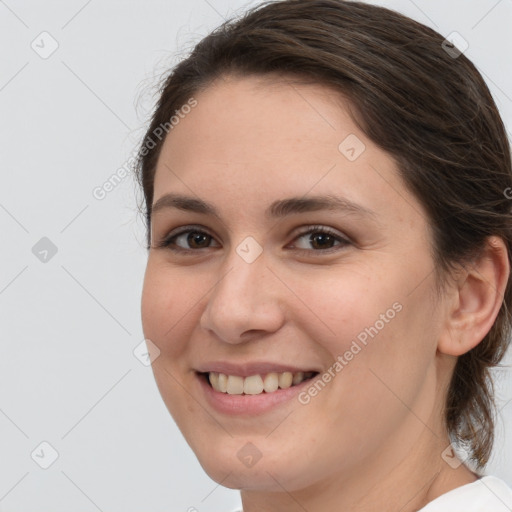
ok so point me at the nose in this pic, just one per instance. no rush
(245, 302)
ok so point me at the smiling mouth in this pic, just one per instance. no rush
(255, 384)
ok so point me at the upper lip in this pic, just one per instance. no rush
(253, 368)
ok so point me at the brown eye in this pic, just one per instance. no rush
(197, 240)
(321, 239)
(188, 240)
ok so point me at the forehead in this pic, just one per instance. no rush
(251, 140)
(262, 117)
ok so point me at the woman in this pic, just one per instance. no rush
(328, 276)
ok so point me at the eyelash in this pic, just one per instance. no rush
(168, 242)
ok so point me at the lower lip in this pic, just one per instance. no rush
(249, 404)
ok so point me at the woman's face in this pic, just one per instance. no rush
(248, 291)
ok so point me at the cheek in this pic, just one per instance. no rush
(341, 303)
(370, 306)
(167, 305)
(378, 335)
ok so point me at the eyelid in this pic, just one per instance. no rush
(299, 232)
(313, 228)
(317, 228)
(165, 241)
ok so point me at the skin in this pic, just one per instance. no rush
(372, 439)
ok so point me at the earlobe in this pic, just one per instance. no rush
(477, 297)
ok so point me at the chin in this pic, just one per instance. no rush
(225, 465)
(238, 477)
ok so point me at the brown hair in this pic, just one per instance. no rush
(427, 106)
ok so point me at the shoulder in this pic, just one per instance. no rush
(487, 493)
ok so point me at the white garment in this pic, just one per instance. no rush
(487, 494)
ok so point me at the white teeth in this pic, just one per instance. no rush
(222, 383)
(214, 379)
(285, 380)
(271, 382)
(235, 385)
(255, 384)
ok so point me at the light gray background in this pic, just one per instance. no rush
(68, 375)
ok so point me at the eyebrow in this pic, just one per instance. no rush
(278, 209)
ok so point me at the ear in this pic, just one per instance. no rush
(475, 299)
